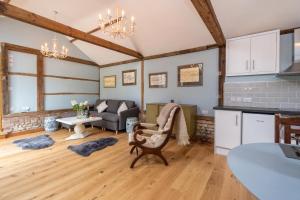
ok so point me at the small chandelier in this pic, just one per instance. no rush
(55, 52)
(117, 26)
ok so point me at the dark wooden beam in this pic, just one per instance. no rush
(40, 83)
(43, 22)
(120, 63)
(4, 80)
(142, 88)
(13, 47)
(180, 52)
(207, 13)
(169, 54)
(222, 72)
(98, 28)
(2, 61)
(287, 31)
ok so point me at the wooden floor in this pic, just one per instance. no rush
(57, 173)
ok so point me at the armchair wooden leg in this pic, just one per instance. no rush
(117, 132)
(135, 160)
(132, 149)
(163, 158)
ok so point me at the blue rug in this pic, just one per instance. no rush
(87, 148)
(39, 142)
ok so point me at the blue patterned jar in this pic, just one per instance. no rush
(130, 122)
(50, 124)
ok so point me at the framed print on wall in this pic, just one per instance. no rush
(109, 81)
(158, 80)
(190, 75)
(129, 77)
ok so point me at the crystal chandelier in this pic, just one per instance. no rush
(55, 51)
(117, 26)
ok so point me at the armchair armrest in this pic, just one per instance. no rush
(148, 125)
(152, 132)
(132, 112)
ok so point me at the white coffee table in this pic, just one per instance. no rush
(79, 129)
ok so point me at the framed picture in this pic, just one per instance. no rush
(190, 75)
(109, 81)
(129, 77)
(158, 80)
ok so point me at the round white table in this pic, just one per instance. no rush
(265, 171)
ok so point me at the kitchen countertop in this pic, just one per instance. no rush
(259, 110)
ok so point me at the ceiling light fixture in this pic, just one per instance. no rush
(55, 52)
(117, 25)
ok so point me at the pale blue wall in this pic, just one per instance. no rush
(23, 90)
(16, 32)
(205, 97)
(121, 92)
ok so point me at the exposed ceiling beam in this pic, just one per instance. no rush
(173, 53)
(37, 20)
(98, 28)
(207, 13)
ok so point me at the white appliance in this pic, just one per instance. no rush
(258, 128)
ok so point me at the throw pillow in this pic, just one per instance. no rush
(122, 108)
(102, 106)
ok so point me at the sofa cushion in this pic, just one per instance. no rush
(112, 117)
(113, 105)
(130, 104)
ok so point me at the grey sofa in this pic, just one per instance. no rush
(110, 118)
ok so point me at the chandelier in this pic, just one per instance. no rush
(52, 50)
(117, 25)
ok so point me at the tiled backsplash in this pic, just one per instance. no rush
(268, 94)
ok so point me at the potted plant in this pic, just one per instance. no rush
(80, 108)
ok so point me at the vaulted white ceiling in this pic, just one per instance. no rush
(167, 25)
(242, 17)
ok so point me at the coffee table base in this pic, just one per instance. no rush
(79, 132)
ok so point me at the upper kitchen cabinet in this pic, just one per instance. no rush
(253, 54)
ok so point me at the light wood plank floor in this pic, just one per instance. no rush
(57, 173)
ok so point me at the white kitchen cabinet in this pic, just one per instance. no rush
(227, 130)
(258, 128)
(253, 54)
(238, 61)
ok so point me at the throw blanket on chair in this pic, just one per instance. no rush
(182, 136)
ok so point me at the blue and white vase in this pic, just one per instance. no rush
(50, 124)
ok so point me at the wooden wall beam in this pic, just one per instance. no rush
(2, 60)
(40, 83)
(72, 93)
(120, 63)
(43, 22)
(4, 80)
(207, 13)
(180, 52)
(169, 54)
(222, 72)
(287, 31)
(142, 87)
(18, 48)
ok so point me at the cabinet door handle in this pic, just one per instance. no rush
(260, 121)
(253, 65)
(236, 120)
(247, 65)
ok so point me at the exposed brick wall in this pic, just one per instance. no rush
(23, 122)
(205, 129)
